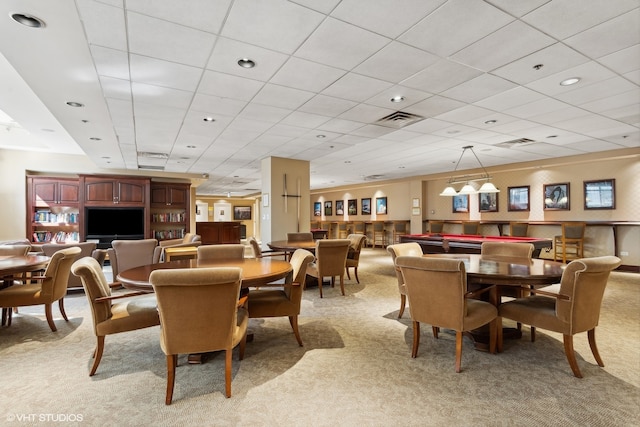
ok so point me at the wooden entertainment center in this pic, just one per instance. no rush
(57, 208)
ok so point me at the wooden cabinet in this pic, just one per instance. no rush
(212, 233)
(53, 209)
(170, 210)
(106, 191)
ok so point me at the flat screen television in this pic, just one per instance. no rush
(114, 223)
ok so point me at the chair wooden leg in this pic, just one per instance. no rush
(293, 320)
(227, 371)
(97, 355)
(499, 336)
(493, 332)
(416, 339)
(436, 331)
(171, 377)
(594, 348)
(533, 334)
(61, 307)
(355, 273)
(49, 314)
(348, 275)
(242, 346)
(571, 355)
(403, 302)
(458, 351)
(342, 285)
(320, 285)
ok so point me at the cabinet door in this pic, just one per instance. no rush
(99, 191)
(177, 196)
(47, 192)
(130, 192)
(68, 192)
(159, 195)
(44, 192)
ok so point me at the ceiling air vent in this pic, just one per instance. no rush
(515, 142)
(151, 167)
(150, 155)
(399, 119)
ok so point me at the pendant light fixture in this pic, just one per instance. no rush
(468, 188)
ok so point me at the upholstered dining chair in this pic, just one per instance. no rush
(217, 319)
(46, 289)
(403, 249)
(222, 251)
(112, 314)
(437, 293)
(126, 254)
(86, 249)
(570, 244)
(14, 250)
(470, 227)
(573, 309)
(331, 259)
(258, 252)
(353, 255)
(300, 237)
(284, 300)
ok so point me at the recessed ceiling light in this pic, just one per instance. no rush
(246, 63)
(85, 121)
(489, 122)
(570, 81)
(452, 132)
(28, 20)
(321, 136)
(397, 98)
(538, 66)
(191, 146)
(347, 161)
(75, 104)
(552, 136)
(95, 138)
(209, 119)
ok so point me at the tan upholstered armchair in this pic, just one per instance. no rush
(403, 249)
(49, 288)
(276, 302)
(189, 240)
(259, 253)
(86, 249)
(299, 237)
(331, 260)
(216, 319)
(112, 314)
(520, 250)
(573, 309)
(222, 251)
(353, 255)
(126, 254)
(437, 292)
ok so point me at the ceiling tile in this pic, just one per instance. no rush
(228, 86)
(209, 18)
(104, 25)
(396, 62)
(356, 87)
(217, 105)
(479, 88)
(163, 73)
(441, 76)
(608, 37)
(281, 96)
(227, 52)
(161, 95)
(306, 75)
(327, 106)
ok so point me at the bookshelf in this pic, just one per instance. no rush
(53, 207)
(170, 210)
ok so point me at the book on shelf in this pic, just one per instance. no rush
(168, 217)
(49, 217)
(168, 234)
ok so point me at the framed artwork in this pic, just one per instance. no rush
(328, 210)
(415, 202)
(352, 207)
(366, 206)
(265, 200)
(339, 207)
(381, 206)
(317, 209)
(556, 197)
(488, 202)
(415, 211)
(600, 194)
(460, 203)
(518, 198)
(241, 213)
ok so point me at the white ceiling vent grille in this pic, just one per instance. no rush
(151, 155)
(515, 143)
(399, 119)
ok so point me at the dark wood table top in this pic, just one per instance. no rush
(285, 245)
(10, 265)
(255, 271)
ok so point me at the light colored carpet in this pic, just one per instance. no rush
(355, 369)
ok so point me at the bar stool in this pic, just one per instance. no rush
(436, 227)
(379, 234)
(342, 230)
(571, 241)
(518, 229)
(399, 228)
(470, 227)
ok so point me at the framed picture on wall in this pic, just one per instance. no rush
(600, 194)
(518, 198)
(241, 213)
(352, 207)
(317, 209)
(366, 206)
(556, 197)
(339, 207)
(460, 203)
(328, 210)
(488, 202)
(381, 206)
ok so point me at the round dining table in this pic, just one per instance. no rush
(292, 246)
(255, 271)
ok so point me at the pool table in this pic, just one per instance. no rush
(468, 244)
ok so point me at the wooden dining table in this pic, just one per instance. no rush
(12, 265)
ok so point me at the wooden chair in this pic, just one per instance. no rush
(217, 318)
(403, 249)
(470, 227)
(131, 311)
(353, 255)
(437, 293)
(358, 227)
(570, 244)
(342, 230)
(399, 229)
(331, 259)
(223, 251)
(518, 229)
(573, 309)
(285, 300)
(379, 234)
(436, 227)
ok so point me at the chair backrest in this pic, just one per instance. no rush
(358, 227)
(403, 249)
(436, 226)
(331, 256)
(378, 226)
(14, 250)
(299, 261)
(435, 290)
(209, 296)
(584, 281)
(126, 254)
(95, 286)
(573, 230)
(86, 249)
(518, 229)
(400, 227)
(300, 237)
(356, 242)
(257, 250)
(470, 227)
(191, 238)
(222, 251)
(522, 250)
(54, 285)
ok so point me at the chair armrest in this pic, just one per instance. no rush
(242, 302)
(112, 297)
(547, 293)
(481, 291)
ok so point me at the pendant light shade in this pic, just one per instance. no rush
(467, 189)
(449, 191)
(487, 187)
